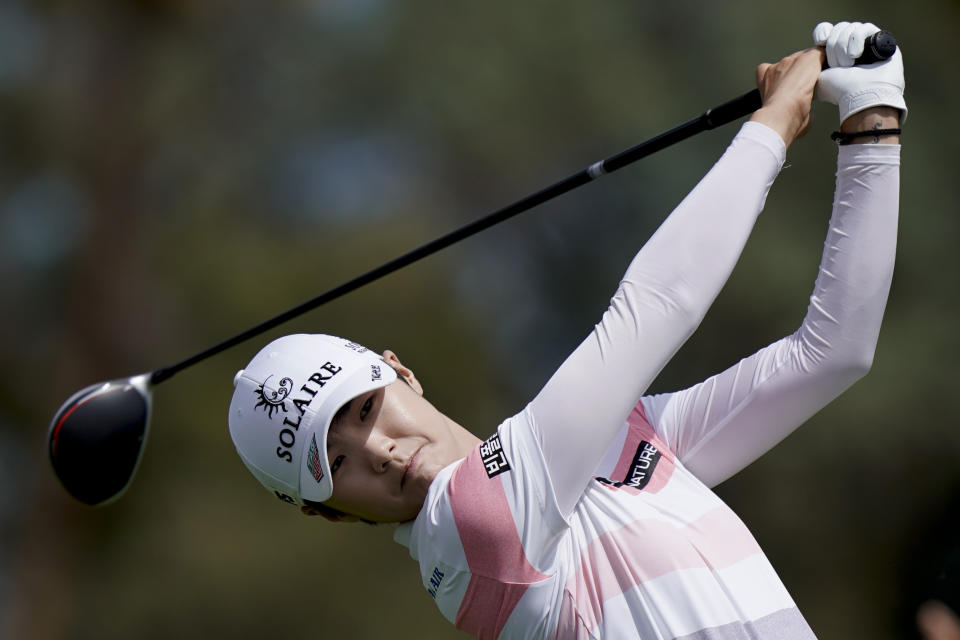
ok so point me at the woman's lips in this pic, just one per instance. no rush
(408, 471)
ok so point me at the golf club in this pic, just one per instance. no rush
(96, 438)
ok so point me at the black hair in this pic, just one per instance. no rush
(331, 513)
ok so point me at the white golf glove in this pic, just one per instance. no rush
(851, 88)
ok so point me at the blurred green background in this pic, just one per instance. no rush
(172, 172)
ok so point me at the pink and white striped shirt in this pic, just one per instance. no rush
(571, 523)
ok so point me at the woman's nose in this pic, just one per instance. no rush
(381, 451)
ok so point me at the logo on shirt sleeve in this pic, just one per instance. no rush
(641, 469)
(493, 458)
(435, 581)
(644, 462)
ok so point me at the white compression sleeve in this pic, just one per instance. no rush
(724, 423)
(662, 298)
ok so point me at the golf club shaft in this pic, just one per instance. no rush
(712, 118)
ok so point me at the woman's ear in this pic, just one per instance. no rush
(391, 359)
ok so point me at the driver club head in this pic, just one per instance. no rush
(97, 437)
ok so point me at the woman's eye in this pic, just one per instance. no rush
(336, 463)
(365, 409)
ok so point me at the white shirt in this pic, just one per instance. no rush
(572, 522)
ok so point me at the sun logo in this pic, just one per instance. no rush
(272, 401)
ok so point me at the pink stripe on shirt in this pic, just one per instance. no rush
(620, 560)
(499, 567)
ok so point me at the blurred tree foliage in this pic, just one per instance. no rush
(172, 172)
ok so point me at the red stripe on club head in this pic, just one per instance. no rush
(56, 430)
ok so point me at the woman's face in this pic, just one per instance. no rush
(386, 448)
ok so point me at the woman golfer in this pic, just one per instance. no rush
(589, 514)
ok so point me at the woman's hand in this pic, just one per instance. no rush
(855, 89)
(787, 89)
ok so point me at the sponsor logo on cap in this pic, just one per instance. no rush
(272, 401)
(284, 497)
(493, 457)
(374, 373)
(313, 460)
(353, 346)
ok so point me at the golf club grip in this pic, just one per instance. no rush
(880, 46)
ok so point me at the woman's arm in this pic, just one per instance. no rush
(721, 425)
(667, 288)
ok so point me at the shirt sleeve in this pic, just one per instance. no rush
(666, 291)
(488, 535)
(726, 422)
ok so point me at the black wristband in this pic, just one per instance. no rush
(847, 138)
